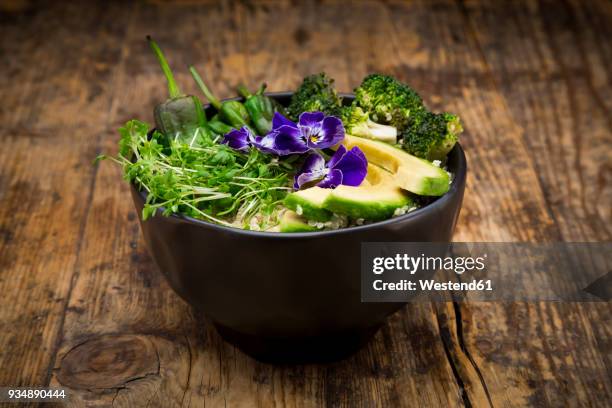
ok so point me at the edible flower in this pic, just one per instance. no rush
(344, 167)
(314, 130)
(242, 139)
(238, 139)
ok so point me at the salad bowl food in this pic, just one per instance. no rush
(255, 208)
(289, 297)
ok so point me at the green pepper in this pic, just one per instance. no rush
(231, 112)
(181, 115)
(218, 126)
(260, 107)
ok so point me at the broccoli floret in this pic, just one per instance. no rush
(388, 101)
(427, 135)
(432, 135)
(317, 93)
(357, 122)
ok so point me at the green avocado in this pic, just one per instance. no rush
(376, 199)
(410, 173)
(309, 203)
(291, 222)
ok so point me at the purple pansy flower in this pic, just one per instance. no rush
(314, 130)
(238, 139)
(344, 167)
(242, 139)
(264, 143)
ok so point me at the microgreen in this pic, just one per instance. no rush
(203, 178)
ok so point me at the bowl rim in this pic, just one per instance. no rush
(456, 185)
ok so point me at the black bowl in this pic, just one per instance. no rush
(289, 297)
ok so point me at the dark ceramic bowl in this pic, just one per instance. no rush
(289, 297)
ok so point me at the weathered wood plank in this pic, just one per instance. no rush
(53, 109)
(55, 79)
(546, 63)
(547, 369)
(41, 220)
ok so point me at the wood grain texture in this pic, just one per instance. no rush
(84, 307)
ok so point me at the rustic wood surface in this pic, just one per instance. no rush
(83, 306)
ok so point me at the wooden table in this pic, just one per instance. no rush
(83, 306)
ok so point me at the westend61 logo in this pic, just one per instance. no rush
(412, 264)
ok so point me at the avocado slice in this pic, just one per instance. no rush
(309, 203)
(291, 222)
(409, 172)
(376, 199)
